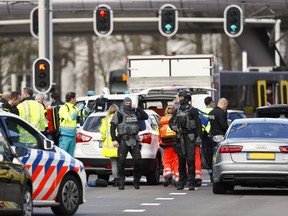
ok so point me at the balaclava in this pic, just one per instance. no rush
(187, 98)
(127, 107)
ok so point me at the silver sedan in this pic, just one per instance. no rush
(254, 152)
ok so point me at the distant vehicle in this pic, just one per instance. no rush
(248, 90)
(117, 81)
(89, 148)
(58, 178)
(235, 114)
(15, 182)
(273, 111)
(253, 153)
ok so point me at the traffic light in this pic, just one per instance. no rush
(34, 17)
(42, 75)
(103, 20)
(233, 20)
(168, 20)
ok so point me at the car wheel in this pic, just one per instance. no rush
(27, 208)
(219, 188)
(103, 176)
(153, 178)
(68, 197)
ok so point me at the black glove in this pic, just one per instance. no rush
(198, 141)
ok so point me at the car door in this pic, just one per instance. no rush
(40, 163)
(11, 177)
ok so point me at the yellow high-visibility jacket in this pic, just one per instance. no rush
(108, 150)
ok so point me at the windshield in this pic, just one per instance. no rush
(93, 124)
(259, 130)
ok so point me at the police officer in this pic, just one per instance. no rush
(126, 122)
(187, 125)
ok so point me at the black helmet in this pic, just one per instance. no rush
(185, 94)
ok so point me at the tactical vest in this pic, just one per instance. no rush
(129, 124)
(184, 123)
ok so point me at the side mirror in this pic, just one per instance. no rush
(21, 151)
(48, 144)
(218, 138)
(229, 121)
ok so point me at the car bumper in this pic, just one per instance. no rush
(251, 174)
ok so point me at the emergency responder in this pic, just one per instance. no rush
(108, 150)
(126, 122)
(68, 114)
(187, 125)
(167, 139)
(31, 110)
(14, 100)
(55, 98)
(42, 99)
(207, 141)
(4, 97)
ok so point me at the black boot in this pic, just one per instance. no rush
(115, 182)
(137, 185)
(180, 186)
(121, 185)
(168, 180)
(191, 186)
(198, 182)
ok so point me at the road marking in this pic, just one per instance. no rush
(164, 198)
(204, 185)
(188, 188)
(206, 180)
(134, 210)
(150, 204)
(177, 193)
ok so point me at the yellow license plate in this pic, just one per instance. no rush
(261, 156)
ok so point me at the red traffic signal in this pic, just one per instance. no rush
(103, 20)
(34, 20)
(42, 75)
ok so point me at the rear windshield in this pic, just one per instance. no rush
(93, 124)
(259, 130)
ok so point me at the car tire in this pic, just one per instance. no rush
(103, 176)
(27, 206)
(219, 188)
(153, 178)
(69, 196)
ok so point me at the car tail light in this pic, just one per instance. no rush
(284, 149)
(230, 148)
(80, 137)
(146, 138)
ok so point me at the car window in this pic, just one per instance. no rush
(154, 123)
(233, 116)
(4, 149)
(259, 130)
(93, 123)
(22, 134)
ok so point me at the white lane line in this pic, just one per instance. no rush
(164, 198)
(204, 185)
(177, 193)
(135, 210)
(206, 180)
(150, 204)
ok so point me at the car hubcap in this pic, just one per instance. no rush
(70, 195)
(27, 204)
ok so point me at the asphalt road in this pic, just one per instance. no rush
(161, 201)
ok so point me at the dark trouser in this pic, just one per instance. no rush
(187, 159)
(123, 150)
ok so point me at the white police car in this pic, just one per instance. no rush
(58, 179)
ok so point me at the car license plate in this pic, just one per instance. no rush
(261, 156)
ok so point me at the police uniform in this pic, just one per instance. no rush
(187, 124)
(126, 122)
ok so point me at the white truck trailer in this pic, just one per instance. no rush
(170, 70)
(194, 72)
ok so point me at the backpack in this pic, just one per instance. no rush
(203, 117)
(52, 116)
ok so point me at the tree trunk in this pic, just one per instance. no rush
(91, 65)
(226, 52)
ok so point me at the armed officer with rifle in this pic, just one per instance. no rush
(187, 125)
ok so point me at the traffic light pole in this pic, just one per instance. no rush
(46, 31)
